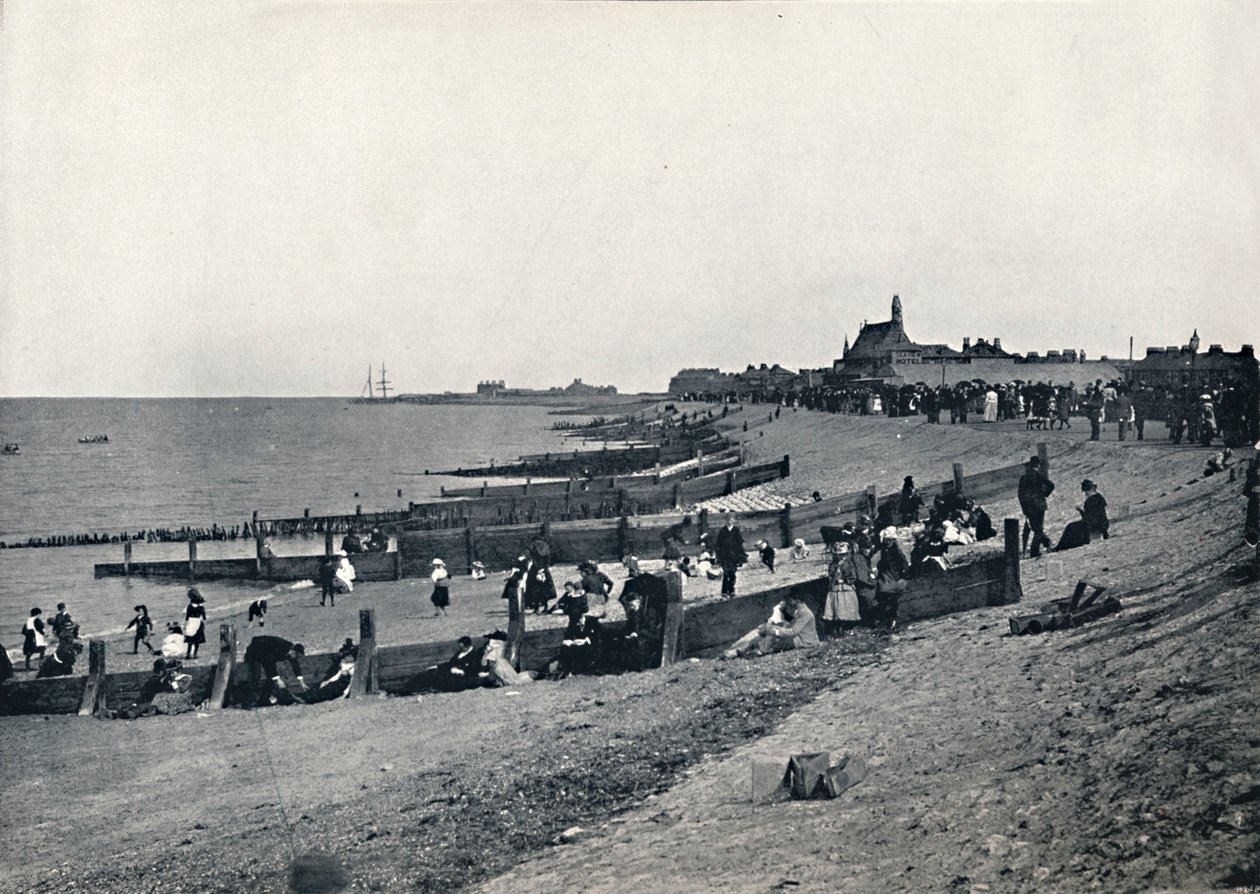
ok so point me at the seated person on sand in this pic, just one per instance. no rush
(173, 642)
(705, 566)
(336, 681)
(61, 662)
(164, 692)
(459, 672)
(496, 670)
(352, 543)
(799, 549)
(580, 648)
(790, 626)
(1093, 521)
(478, 571)
(343, 577)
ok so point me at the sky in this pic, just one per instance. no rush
(265, 198)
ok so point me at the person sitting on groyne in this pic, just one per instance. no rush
(496, 669)
(459, 672)
(166, 691)
(891, 571)
(790, 626)
(1093, 521)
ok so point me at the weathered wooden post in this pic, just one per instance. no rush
(785, 467)
(785, 525)
(127, 558)
(623, 537)
(516, 625)
(258, 551)
(192, 559)
(700, 463)
(470, 548)
(365, 680)
(328, 542)
(1044, 456)
(674, 496)
(484, 485)
(958, 479)
(358, 511)
(397, 564)
(730, 483)
(673, 648)
(527, 483)
(223, 670)
(94, 691)
(1012, 591)
(306, 514)
(656, 474)
(872, 502)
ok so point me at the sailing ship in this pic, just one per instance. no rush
(370, 396)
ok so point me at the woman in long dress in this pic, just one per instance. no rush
(441, 596)
(990, 406)
(841, 610)
(194, 624)
(33, 640)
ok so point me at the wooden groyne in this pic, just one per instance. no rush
(983, 578)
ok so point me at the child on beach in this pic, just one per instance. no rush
(194, 624)
(766, 552)
(144, 629)
(258, 612)
(441, 578)
(33, 641)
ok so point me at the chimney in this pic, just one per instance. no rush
(966, 342)
(1216, 349)
(1247, 351)
(997, 344)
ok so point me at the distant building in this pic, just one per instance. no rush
(580, 387)
(1175, 366)
(491, 387)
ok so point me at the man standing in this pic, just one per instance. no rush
(262, 655)
(730, 554)
(1034, 488)
(1124, 410)
(327, 573)
(1096, 405)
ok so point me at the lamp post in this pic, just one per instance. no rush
(1194, 350)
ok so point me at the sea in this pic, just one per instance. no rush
(201, 461)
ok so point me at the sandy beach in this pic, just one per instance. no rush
(1120, 756)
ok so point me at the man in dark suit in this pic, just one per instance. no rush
(730, 553)
(1034, 488)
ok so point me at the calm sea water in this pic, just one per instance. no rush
(199, 461)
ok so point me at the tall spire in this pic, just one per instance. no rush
(846, 345)
(896, 311)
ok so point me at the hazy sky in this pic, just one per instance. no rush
(264, 198)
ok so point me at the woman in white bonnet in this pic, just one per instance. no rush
(441, 587)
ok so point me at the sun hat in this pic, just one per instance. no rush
(1087, 485)
(438, 562)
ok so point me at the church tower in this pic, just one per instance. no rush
(846, 346)
(896, 312)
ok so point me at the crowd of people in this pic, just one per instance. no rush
(1225, 410)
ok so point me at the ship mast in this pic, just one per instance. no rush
(368, 387)
(384, 383)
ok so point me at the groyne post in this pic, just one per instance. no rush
(958, 479)
(516, 626)
(1044, 456)
(785, 467)
(258, 551)
(398, 564)
(872, 502)
(223, 669)
(730, 483)
(364, 680)
(623, 536)
(127, 558)
(785, 525)
(470, 548)
(674, 496)
(700, 463)
(1012, 591)
(672, 646)
(94, 690)
(192, 559)
(328, 542)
